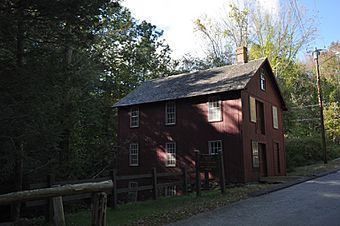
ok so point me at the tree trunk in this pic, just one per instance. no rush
(16, 208)
(67, 108)
(19, 63)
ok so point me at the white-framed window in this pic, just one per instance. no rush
(170, 113)
(133, 185)
(214, 109)
(133, 191)
(134, 117)
(252, 108)
(133, 154)
(170, 190)
(170, 149)
(262, 81)
(255, 154)
(215, 146)
(275, 117)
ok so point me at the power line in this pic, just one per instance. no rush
(305, 119)
(306, 106)
(312, 105)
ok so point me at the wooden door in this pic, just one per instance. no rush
(260, 124)
(276, 155)
(263, 160)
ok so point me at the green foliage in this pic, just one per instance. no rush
(307, 150)
(166, 210)
(304, 151)
(300, 90)
(62, 66)
(190, 63)
(217, 47)
(332, 122)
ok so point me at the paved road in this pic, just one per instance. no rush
(315, 202)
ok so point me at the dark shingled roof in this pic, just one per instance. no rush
(216, 80)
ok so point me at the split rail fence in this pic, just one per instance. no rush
(53, 194)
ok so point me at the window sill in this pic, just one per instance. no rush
(219, 120)
(170, 124)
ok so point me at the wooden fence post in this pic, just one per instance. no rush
(198, 176)
(49, 209)
(154, 183)
(99, 203)
(114, 189)
(185, 180)
(58, 218)
(206, 179)
(222, 175)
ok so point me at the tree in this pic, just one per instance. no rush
(329, 63)
(63, 64)
(217, 49)
(278, 37)
(300, 90)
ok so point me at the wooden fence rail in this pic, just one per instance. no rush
(43, 193)
(98, 202)
(52, 194)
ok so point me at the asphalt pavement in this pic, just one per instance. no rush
(314, 202)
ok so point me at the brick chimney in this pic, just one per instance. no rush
(241, 55)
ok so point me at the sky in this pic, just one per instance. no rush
(176, 18)
(327, 17)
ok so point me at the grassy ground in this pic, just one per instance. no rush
(314, 169)
(167, 210)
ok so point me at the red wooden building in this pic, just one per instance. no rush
(236, 109)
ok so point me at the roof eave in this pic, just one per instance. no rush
(283, 103)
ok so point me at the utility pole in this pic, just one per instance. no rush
(316, 54)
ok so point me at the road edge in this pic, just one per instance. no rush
(289, 184)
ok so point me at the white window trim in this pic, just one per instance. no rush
(167, 113)
(252, 109)
(262, 81)
(255, 148)
(133, 185)
(275, 117)
(214, 141)
(170, 157)
(212, 110)
(170, 191)
(132, 148)
(132, 116)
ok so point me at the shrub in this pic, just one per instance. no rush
(302, 151)
(307, 150)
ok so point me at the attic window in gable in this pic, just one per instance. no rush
(262, 80)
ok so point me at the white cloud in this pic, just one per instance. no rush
(176, 18)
